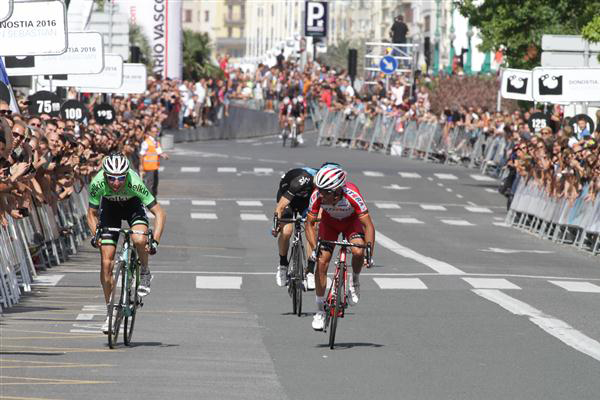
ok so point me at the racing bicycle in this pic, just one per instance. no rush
(124, 299)
(336, 300)
(298, 260)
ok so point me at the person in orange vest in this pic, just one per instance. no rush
(150, 153)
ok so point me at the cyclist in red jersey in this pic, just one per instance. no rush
(344, 211)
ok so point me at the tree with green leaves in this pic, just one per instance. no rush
(197, 62)
(137, 38)
(517, 26)
(591, 31)
(337, 55)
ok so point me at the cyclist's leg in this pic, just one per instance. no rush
(138, 221)
(110, 217)
(355, 234)
(327, 231)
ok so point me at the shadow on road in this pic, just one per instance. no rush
(345, 346)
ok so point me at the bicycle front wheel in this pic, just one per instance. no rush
(132, 304)
(337, 305)
(298, 278)
(117, 299)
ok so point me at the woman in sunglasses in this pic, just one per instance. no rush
(120, 194)
(344, 211)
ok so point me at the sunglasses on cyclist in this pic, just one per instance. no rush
(328, 192)
(116, 178)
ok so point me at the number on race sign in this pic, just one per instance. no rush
(73, 113)
(44, 106)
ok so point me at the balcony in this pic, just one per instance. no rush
(234, 2)
(234, 20)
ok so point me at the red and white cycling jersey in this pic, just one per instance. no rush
(350, 205)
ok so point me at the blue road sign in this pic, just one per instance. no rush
(388, 64)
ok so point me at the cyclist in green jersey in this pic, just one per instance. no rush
(118, 193)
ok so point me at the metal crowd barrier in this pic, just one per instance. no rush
(46, 238)
(428, 141)
(556, 219)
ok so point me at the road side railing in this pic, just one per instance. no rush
(575, 223)
(46, 238)
(426, 140)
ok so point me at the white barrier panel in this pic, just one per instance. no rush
(84, 55)
(34, 28)
(134, 81)
(110, 77)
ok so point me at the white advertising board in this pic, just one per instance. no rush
(110, 77)
(566, 85)
(517, 84)
(85, 55)
(569, 59)
(134, 81)
(6, 7)
(34, 28)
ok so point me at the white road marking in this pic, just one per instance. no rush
(249, 203)
(483, 178)
(263, 170)
(46, 280)
(581, 287)
(457, 222)
(164, 202)
(203, 203)
(272, 161)
(429, 178)
(227, 169)
(407, 220)
(490, 283)
(490, 190)
(438, 266)
(396, 187)
(554, 326)
(253, 217)
(448, 190)
(400, 283)
(479, 210)
(218, 282)
(412, 175)
(503, 224)
(204, 216)
(460, 196)
(498, 218)
(440, 184)
(95, 307)
(446, 176)
(432, 207)
(472, 204)
(85, 317)
(242, 158)
(190, 169)
(511, 251)
(373, 173)
(387, 205)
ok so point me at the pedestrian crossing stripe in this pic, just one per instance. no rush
(412, 175)
(227, 169)
(164, 202)
(433, 207)
(582, 287)
(203, 203)
(373, 173)
(407, 220)
(204, 216)
(249, 203)
(490, 283)
(478, 209)
(388, 205)
(263, 170)
(483, 178)
(446, 176)
(190, 169)
(253, 217)
(400, 283)
(456, 222)
(218, 282)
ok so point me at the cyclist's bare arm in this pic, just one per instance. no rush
(367, 223)
(92, 219)
(281, 205)
(159, 221)
(310, 230)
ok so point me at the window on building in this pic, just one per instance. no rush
(187, 15)
(229, 11)
(272, 10)
(427, 26)
(243, 11)
(229, 31)
(206, 15)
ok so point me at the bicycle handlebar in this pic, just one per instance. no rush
(345, 243)
(290, 220)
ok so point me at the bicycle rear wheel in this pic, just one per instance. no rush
(132, 304)
(337, 305)
(117, 299)
(284, 135)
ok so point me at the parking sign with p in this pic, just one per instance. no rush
(315, 18)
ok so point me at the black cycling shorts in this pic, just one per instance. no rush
(113, 212)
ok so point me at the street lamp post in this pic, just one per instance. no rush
(436, 48)
(452, 37)
(468, 67)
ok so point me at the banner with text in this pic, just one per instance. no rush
(160, 20)
(84, 55)
(134, 81)
(566, 85)
(34, 28)
(110, 77)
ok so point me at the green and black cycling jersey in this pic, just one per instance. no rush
(132, 188)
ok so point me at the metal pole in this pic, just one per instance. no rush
(586, 63)
(436, 49)
(110, 26)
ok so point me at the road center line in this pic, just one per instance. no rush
(553, 326)
(437, 265)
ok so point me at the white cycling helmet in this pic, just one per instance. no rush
(115, 164)
(330, 177)
(300, 98)
(286, 100)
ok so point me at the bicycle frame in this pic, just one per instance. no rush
(298, 259)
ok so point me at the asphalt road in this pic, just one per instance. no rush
(459, 306)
